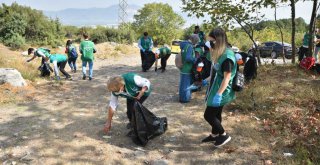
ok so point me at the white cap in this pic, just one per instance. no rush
(238, 56)
(157, 51)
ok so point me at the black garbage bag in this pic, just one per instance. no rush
(149, 59)
(146, 125)
(250, 69)
(45, 70)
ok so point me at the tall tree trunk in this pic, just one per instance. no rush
(277, 23)
(311, 27)
(293, 32)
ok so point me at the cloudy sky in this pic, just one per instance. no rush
(303, 9)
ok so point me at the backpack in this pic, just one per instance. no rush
(73, 53)
(307, 63)
(238, 82)
(178, 61)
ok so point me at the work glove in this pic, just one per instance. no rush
(217, 100)
(204, 83)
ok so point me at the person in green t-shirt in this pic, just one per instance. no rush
(145, 44)
(59, 62)
(304, 49)
(130, 86)
(43, 53)
(87, 49)
(163, 53)
(219, 92)
(40, 52)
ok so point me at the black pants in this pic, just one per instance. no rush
(213, 117)
(164, 61)
(303, 52)
(130, 106)
(61, 66)
(142, 54)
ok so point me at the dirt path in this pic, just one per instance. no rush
(63, 125)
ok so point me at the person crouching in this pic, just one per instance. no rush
(130, 86)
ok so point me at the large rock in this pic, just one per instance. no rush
(11, 76)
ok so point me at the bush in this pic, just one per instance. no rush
(20, 24)
(15, 42)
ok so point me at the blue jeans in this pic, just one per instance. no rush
(185, 82)
(84, 65)
(72, 63)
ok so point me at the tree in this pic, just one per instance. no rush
(312, 25)
(293, 15)
(24, 23)
(160, 21)
(280, 29)
(226, 13)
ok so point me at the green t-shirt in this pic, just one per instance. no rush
(45, 51)
(87, 49)
(164, 51)
(58, 58)
(306, 39)
(145, 43)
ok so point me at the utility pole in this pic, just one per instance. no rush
(123, 15)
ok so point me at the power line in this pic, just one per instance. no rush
(122, 13)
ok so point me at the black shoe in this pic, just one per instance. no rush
(144, 70)
(90, 78)
(163, 70)
(209, 139)
(75, 71)
(222, 140)
(84, 77)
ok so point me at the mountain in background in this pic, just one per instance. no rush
(91, 16)
(102, 16)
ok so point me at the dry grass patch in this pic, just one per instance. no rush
(10, 94)
(14, 59)
(107, 50)
(287, 100)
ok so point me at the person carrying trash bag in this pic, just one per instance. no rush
(146, 125)
(43, 53)
(145, 44)
(130, 86)
(220, 91)
(163, 54)
(143, 124)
